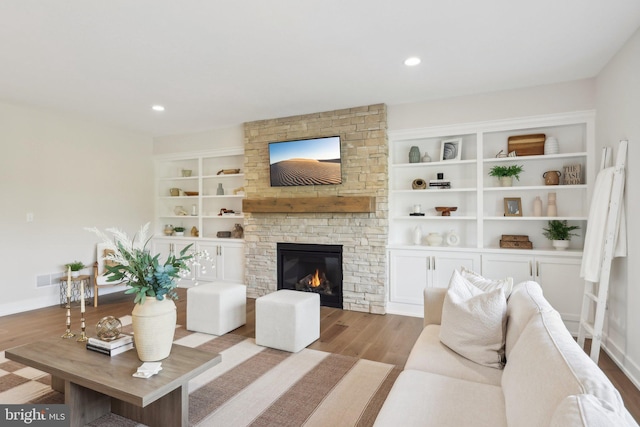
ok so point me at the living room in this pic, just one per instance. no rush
(70, 171)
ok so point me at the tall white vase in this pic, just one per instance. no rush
(537, 206)
(552, 209)
(417, 235)
(154, 324)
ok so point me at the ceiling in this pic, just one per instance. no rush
(216, 64)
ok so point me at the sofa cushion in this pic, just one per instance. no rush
(545, 366)
(430, 355)
(585, 410)
(526, 300)
(488, 284)
(425, 399)
(473, 322)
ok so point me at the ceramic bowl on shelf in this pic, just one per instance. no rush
(434, 239)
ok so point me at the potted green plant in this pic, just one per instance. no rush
(153, 283)
(75, 267)
(559, 232)
(178, 231)
(505, 174)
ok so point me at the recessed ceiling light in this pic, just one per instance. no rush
(157, 108)
(412, 62)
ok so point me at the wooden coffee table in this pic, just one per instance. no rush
(96, 384)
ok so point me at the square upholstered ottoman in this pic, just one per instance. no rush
(288, 320)
(216, 308)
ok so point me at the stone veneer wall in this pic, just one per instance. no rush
(363, 132)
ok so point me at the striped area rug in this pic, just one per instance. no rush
(253, 385)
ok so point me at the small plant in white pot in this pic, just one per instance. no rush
(560, 233)
(505, 174)
(75, 268)
(179, 231)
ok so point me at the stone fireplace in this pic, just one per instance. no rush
(361, 234)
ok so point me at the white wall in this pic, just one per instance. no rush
(231, 137)
(70, 174)
(533, 101)
(618, 117)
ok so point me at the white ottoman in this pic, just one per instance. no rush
(288, 320)
(216, 308)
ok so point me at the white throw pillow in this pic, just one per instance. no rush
(473, 322)
(488, 284)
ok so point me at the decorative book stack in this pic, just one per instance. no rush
(111, 348)
(439, 184)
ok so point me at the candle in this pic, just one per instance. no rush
(82, 296)
(68, 282)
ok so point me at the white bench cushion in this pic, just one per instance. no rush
(424, 399)
(430, 355)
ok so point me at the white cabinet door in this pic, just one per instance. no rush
(410, 271)
(231, 262)
(407, 276)
(163, 247)
(562, 287)
(210, 271)
(559, 278)
(499, 266)
(444, 263)
(227, 259)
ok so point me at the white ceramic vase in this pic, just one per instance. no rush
(537, 206)
(551, 146)
(506, 181)
(560, 245)
(434, 239)
(154, 324)
(417, 236)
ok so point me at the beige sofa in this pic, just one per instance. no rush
(547, 380)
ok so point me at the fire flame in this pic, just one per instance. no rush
(315, 280)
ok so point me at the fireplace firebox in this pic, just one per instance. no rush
(311, 268)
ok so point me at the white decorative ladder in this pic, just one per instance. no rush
(594, 300)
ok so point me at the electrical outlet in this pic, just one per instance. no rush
(29, 216)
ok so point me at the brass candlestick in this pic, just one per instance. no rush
(83, 335)
(68, 333)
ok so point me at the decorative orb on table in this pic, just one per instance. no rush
(108, 328)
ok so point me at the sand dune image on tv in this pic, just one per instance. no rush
(305, 172)
(305, 162)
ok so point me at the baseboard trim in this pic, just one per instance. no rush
(404, 309)
(630, 368)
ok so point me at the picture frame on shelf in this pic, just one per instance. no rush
(451, 149)
(512, 206)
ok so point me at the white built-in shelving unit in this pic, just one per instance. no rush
(479, 221)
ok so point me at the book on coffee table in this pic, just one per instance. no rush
(110, 345)
(110, 352)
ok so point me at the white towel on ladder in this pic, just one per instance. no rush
(596, 227)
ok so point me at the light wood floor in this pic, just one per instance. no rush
(387, 338)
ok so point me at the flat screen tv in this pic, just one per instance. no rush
(305, 162)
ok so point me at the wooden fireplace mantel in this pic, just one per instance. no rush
(343, 204)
